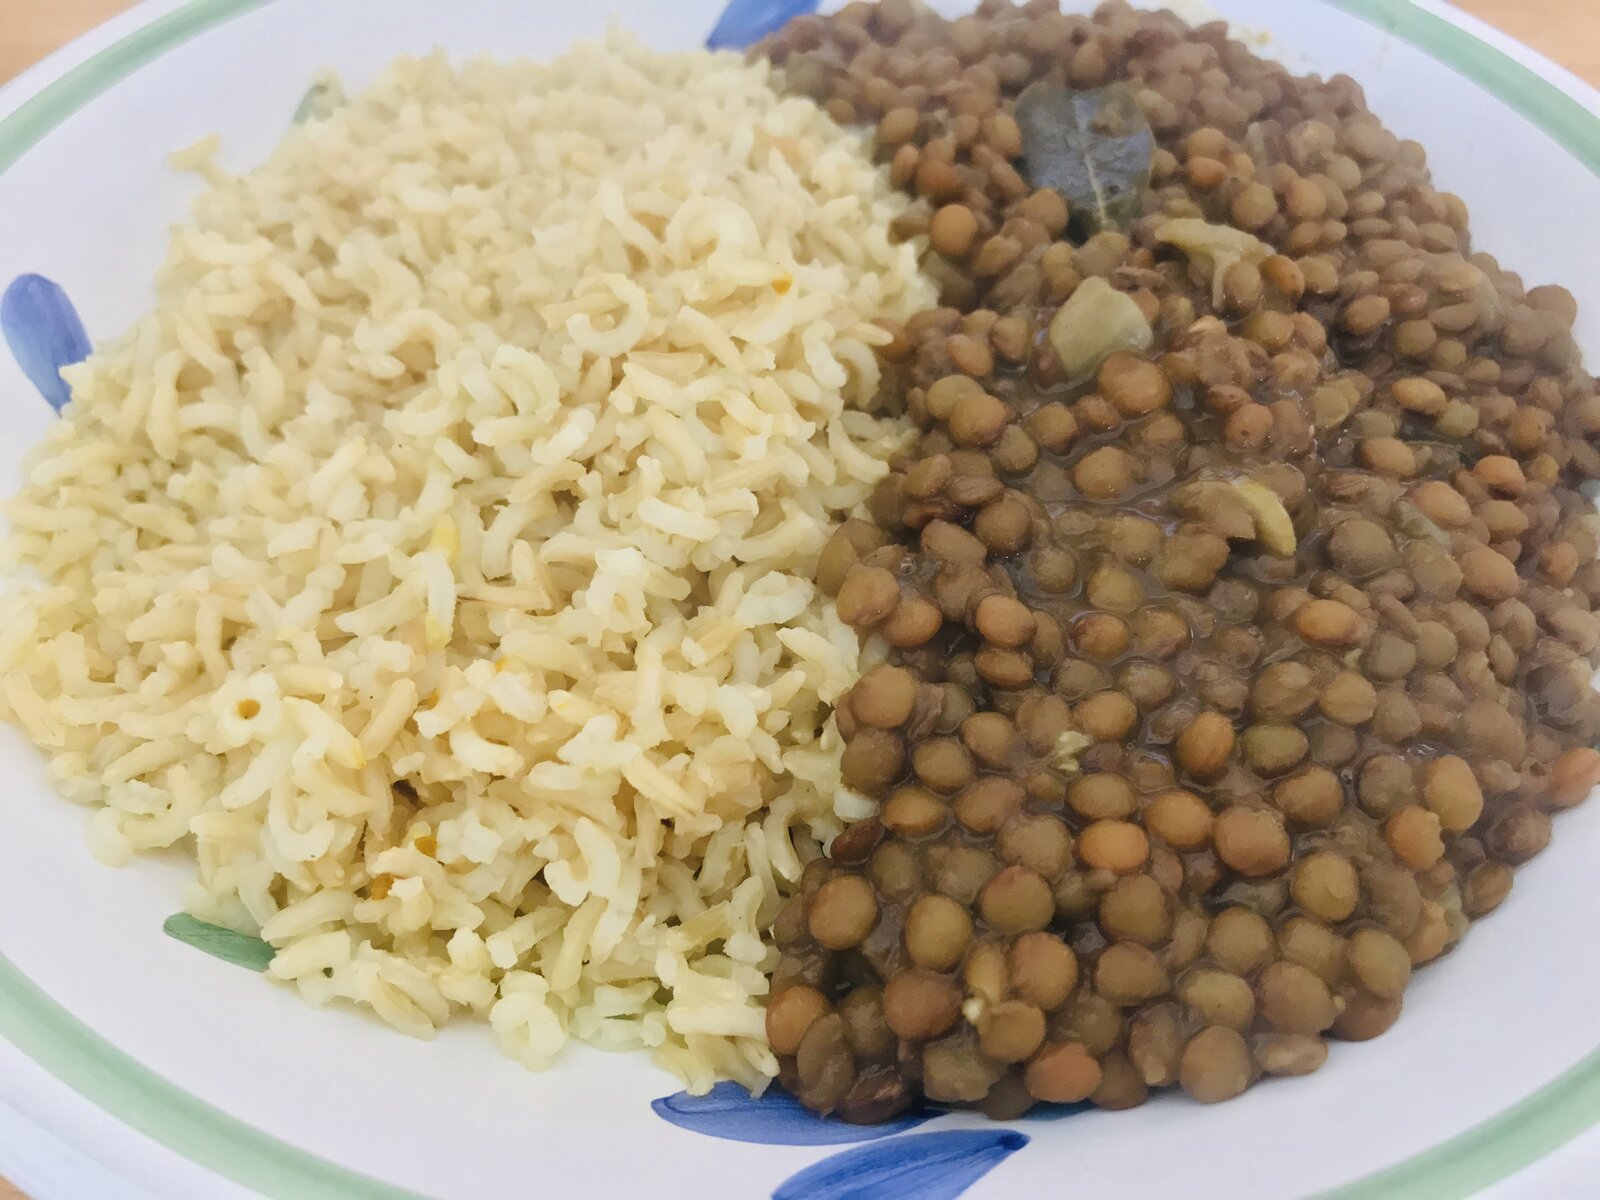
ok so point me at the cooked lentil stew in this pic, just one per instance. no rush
(1239, 598)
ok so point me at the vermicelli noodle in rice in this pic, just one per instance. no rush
(435, 558)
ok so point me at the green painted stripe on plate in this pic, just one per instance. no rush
(189, 1126)
(1570, 1104)
(1494, 1149)
(182, 1122)
(29, 1019)
(1575, 128)
(59, 100)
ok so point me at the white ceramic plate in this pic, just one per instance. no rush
(1493, 1064)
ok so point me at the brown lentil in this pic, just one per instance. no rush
(790, 1013)
(1216, 1065)
(1043, 970)
(1218, 997)
(1179, 818)
(1062, 1073)
(842, 912)
(1380, 962)
(919, 1006)
(1170, 789)
(952, 230)
(1252, 841)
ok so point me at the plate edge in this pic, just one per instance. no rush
(108, 1077)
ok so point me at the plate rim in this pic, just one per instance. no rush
(1557, 102)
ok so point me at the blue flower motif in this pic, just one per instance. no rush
(924, 1166)
(745, 22)
(44, 333)
(729, 1112)
(921, 1166)
(1055, 1112)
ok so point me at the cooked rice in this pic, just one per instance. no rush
(437, 553)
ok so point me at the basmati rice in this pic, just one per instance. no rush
(436, 555)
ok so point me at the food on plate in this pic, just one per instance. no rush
(974, 562)
(1243, 608)
(435, 558)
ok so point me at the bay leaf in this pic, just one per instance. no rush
(1093, 145)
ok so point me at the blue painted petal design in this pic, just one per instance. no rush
(921, 1166)
(1055, 1112)
(729, 1112)
(745, 22)
(44, 333)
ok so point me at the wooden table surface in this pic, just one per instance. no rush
(1566, 30)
